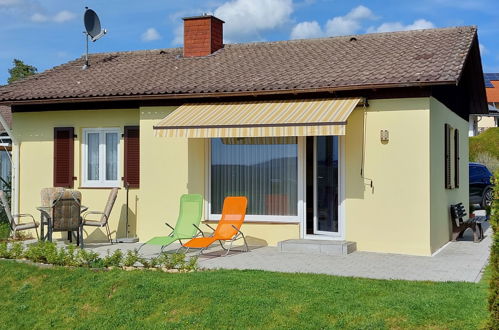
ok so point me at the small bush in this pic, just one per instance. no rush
(114, 260)
(494, 259)
(177, 261)
(88, 258)
(16, 250)
(40, 252)
(131, 258)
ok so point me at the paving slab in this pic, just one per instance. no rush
(457, 261)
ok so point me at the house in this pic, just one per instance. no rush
(5, 148)
(478, 124)
(359, 138)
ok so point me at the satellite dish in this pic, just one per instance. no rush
(93, 30)
(92, 25)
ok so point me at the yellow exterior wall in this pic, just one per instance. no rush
(394, 214)
(35, 131)
(442, 198)
(171, 167)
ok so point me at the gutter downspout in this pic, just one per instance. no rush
(15, 167)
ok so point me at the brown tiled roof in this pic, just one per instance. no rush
(7, 115)
(384, 59)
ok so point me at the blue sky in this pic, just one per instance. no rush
(49, 32)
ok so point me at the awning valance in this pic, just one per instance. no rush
(308, 117)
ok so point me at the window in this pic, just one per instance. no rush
(265, 170)
(100, 157)
(452, 157)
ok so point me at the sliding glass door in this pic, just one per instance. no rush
(326, 185)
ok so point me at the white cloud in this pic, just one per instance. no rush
(418, 24)
(305, 30)
(178, 35)
(483, 50)
(39, 18)
(151, 34)
(246, 19)
(350, 23)
(63, 16)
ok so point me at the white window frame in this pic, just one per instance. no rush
(101, 183)
(261, 218)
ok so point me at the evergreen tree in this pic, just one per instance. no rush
(20, 71)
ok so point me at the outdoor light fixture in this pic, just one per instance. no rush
(384, 135)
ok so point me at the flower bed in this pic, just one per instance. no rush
(71, 256)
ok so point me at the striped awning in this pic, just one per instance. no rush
(308, 117)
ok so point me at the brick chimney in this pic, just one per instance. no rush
(203, 35)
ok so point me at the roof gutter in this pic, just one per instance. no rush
(219, 94)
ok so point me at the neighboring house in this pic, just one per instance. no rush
(478, 124)
(5, 148)
(360, 138)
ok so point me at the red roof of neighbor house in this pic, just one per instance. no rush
(395, 59)
(493, 92)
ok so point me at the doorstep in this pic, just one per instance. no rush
(329, 247)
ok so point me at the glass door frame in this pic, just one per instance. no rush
(340, 235)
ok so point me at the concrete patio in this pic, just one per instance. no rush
(457, 261)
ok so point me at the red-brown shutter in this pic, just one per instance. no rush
(447, 162)
(132, 156)
(456, 158)
(64, 157)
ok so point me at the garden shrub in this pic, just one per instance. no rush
(41, 252)
(114, 260)
(131, 258)
(16, 250)
(88, 258)
(494, 259)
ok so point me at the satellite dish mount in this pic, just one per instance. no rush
(92, 31)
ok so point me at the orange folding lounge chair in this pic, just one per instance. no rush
(228, 228)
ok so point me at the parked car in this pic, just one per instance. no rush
(480, 185)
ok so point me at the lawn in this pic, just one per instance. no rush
(32, 297)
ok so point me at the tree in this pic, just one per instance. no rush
(20, 71)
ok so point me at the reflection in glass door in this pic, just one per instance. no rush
(326, 190)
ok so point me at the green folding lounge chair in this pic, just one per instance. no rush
(187, 227)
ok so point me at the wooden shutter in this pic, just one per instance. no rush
(456, 158)
(64, 157)
(132, 156)
(447, 162)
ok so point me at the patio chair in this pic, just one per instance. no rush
(187, 226)
(14, 225)
(228, 228)
(104, 219)
(66, 214)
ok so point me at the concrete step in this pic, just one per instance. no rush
(315, 246)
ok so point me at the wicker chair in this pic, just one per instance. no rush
(14, 225)
(66, 214)
(104, 216)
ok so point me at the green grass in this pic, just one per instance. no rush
(486, 142)
(32, 297)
